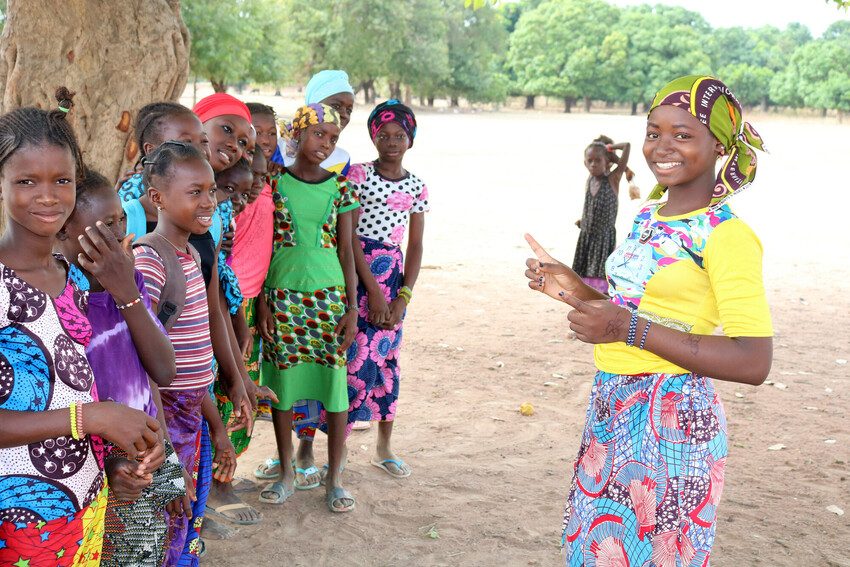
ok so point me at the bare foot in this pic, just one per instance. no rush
(224, 504)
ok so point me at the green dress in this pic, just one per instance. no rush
(305, 290)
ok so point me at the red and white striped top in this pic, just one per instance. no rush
(190, 334)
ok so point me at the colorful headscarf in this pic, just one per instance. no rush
(326, 83)
(713, 104)
(392, 111)
(220, 104)
(312, 114)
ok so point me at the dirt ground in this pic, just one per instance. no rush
(489, 485)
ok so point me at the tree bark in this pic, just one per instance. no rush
(634, 108)
(395, 90)
(568, 104)
(218, 86)
(455, 102)
(529, 102)
(408, 96)
(431, 101)
(587, 103)
(117, 56)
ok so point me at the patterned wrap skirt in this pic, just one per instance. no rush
(189, 435)
(649, 473)
(373, 369)
(240, 437)
(73, 540)
(137, 532)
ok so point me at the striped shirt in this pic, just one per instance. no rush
(190, 334)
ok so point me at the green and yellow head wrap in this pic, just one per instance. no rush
(312, 114)
(713, 104)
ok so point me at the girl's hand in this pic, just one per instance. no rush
(248, 346)
(266, 393)
(132, 430)
(598, 321)
(227, 241)
(548, 275)
(182, 505)
(153, 458)
(379, 310)
(242, 416)
(124, 483)
(224, 463)
(396, 309)
(347, 329)
(265, 321)
(124, 177)
(110, 261)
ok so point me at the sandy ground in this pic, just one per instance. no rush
(489, 484)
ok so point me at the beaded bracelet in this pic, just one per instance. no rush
(406, 293)
(630, 341)
(129, 305)
(74, 433)
(645, 333)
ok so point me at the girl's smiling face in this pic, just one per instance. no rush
(38, 188)
(229, 137)
(316, 143)
(266, 133)
(679, 149)
(186, 195)
(234, 184)
(102, 204)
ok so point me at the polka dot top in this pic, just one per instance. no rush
(386, 204)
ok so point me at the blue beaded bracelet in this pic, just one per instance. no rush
(643, 336)
(630, 341)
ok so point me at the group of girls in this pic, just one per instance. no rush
(233, 274)
(651, 464)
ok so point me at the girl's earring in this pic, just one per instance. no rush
(158, 208)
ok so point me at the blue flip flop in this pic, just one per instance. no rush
(397, 462)
(280, 493)
(311, 470)
(336, 494)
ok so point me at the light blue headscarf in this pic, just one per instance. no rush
(326, 83)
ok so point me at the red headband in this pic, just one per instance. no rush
(219, 104)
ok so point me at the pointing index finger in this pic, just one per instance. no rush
(535, 246)
(573, 301)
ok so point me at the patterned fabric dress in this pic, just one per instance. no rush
(136, 532)
(305, 289)
(373, 358)
(52, 492)
(598, 236)
(650, 468)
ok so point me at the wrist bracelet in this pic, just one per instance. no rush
(630, 340)
(129, 305)
(645, 333)
(73, 411)
(405, 293)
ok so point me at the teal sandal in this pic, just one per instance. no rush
(338, 494)
(309, 471)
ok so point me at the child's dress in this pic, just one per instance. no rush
(52, 492)
(181, 401)
(598, 236)
(305, 290)
(136, 532)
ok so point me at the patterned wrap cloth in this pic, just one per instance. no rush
(714, 105)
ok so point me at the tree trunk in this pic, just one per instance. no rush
(765, 103)
(431, 101)
(634, 108)
(823, 113)
(408, 96)
(395, 90)
(587, 102)
(421, 100)
(117, 56)
(529, 102)
(455, 102)
(609, 104)
(568, 104)
(218, 86)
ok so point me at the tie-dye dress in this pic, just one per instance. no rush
(650, 468)
(52, 492)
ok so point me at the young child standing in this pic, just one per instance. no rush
(598, 235)
(650, 469)
(124, 328)
(181, 185)
(393, 200)
(307, 312)
(52, 426)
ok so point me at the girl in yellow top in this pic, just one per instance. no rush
(650, 468)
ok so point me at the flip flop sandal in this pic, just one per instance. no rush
(397, 462)
(337, 494)
(219, 514)
(304, 473)
(269, 470)
(279, 493)
(242, 485)
(324, 474)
